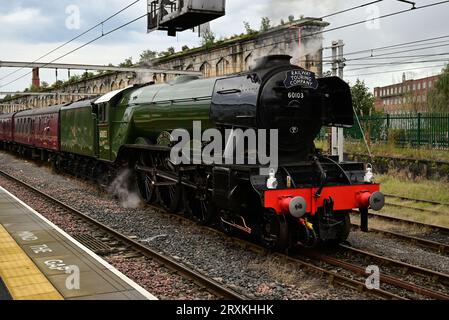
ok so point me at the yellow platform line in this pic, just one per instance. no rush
(21, 276)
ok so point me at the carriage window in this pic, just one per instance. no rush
(103, 112)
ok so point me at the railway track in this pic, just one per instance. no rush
(386, 279)
(333, 277)
(208, 284)
(436, 203)
(405, 268)
(402, 206)
(437, 246)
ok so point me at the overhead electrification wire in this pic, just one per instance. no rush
(80, 47)
(369, 66)
(398, 52)
(405, 44)
(302, 37)
(345, 26)
(318, 19)
(377, 18)
(402, 57)
(73, 39)
(400, 70)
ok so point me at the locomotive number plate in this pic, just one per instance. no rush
(300, 78)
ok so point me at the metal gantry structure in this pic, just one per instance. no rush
(84, 67)
(338, 64)
(87, 67)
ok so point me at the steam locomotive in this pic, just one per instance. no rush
(305, 201)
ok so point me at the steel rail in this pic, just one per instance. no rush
(198, 278)
(435, 227)
(397, 205)
(439, 247)
(384, 278)
(333, 278)
(417, 200)
(406, 267)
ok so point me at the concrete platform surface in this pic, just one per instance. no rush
(39, 261)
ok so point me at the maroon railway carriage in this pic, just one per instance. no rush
(38, 128)
(6, 128)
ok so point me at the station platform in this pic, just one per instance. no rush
(39, 261)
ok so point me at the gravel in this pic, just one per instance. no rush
(144, 271)
(255, 275)
(399, 250)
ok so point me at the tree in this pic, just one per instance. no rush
(33, 89)
(74, 78)
(438, 98)
(282, 22)
(147, 55)
(170, 51)
(248, 29)
(265, 24)
(87, 75)
(127, 63)
(208, 39)
(44, 85)
(185, 48)
(362, 99)
(291, 18)
(57, 84)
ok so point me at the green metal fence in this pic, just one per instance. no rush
(412, 129)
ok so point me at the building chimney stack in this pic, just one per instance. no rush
(403, 77)
(36, 81)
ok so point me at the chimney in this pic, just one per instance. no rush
(36, 81)
(403, 77)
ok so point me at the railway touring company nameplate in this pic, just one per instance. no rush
(303, 78)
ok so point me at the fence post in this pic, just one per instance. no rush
(419, 129)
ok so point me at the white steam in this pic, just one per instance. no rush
(145, 77)
(310, 46)
(122, 189)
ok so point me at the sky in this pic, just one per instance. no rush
(31, 28)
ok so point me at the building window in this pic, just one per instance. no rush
(424, 85)
(419, 86)
(430, 84)
(408, 88)
(414, 87)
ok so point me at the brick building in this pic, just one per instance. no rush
(409, 95)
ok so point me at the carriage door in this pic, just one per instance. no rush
(104, 145)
